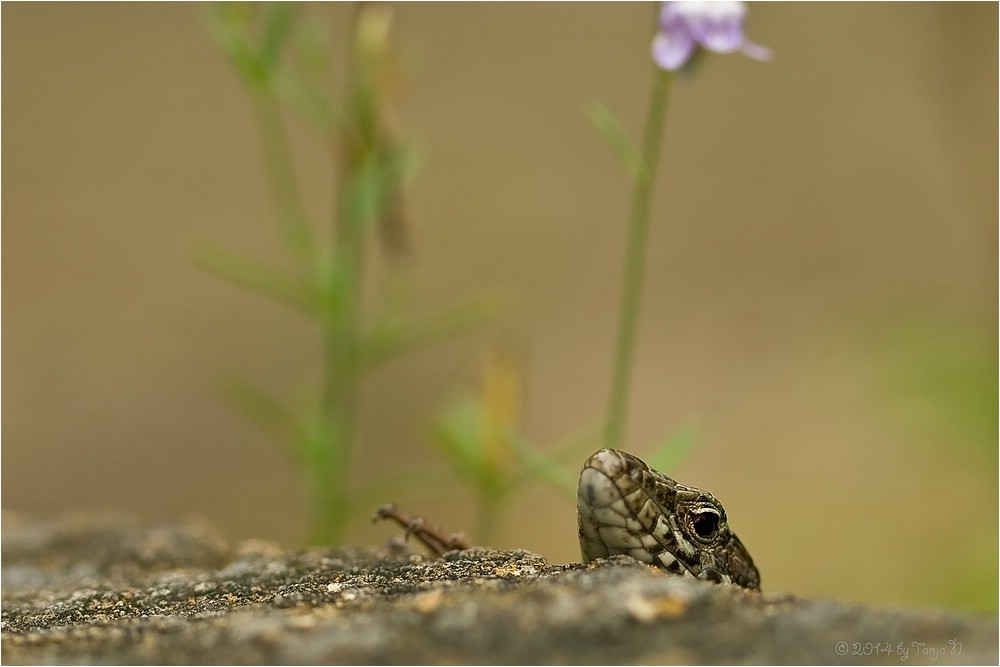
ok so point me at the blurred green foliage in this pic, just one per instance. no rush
(281, 57)
(937, 381)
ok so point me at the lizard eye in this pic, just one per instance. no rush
(706, 524)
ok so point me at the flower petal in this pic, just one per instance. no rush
(672, 49)
(715, 25)
(721, 34)
(756, 51)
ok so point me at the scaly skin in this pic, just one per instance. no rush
(626, 507)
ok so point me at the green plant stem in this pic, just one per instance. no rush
(635, 260)
(327, 482)
(354, 151)
(341, 342)
(281, 175)
(327, 444)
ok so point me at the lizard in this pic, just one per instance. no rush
(626, 507)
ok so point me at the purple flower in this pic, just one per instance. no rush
(716, 25)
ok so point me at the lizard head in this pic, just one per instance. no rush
(626, 507)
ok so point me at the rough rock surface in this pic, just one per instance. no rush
(87, 588)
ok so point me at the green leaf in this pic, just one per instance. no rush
(375, 181)
(606, 123)
(309, 102)
(305, 85)
(543, 467)
(390, 338)
(260, 279)
(457, 434)
(228, 25)
(277, 27)
(268, 413)
(674, 449)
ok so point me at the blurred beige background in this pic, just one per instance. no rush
(821, 299)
